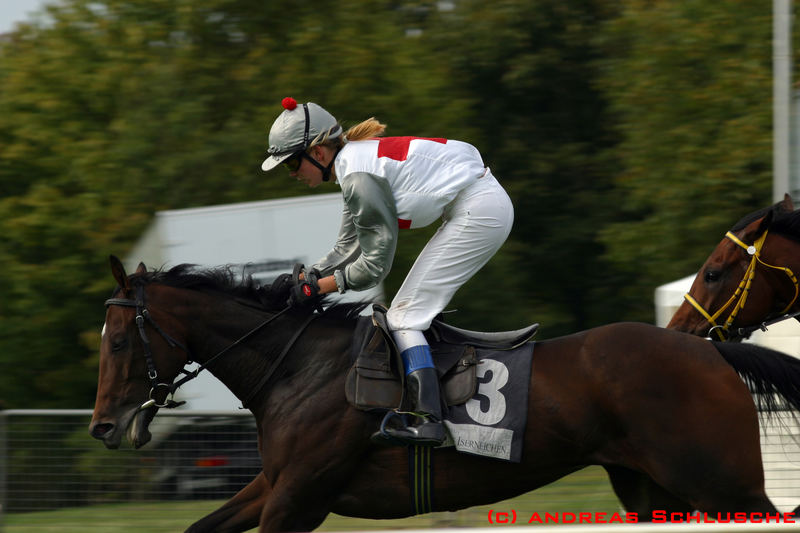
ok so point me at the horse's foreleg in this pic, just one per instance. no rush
(289, 511)
(240, 513)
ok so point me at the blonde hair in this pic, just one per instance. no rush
(365, 130)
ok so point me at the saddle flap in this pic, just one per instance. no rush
(375, 357)
(373, 382)
(460, 383)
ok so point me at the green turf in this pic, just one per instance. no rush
(584, 491)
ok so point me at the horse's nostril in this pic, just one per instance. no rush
(100, 430)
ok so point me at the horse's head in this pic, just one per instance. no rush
(740, 283)
(138, 359)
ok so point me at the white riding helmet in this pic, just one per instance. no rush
(296, 129)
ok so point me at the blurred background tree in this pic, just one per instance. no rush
(630, 135)
(690, 87)
(531, 68)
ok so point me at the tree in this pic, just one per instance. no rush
(119, 108)
(630, 134)
(531, 68)
(690, 86)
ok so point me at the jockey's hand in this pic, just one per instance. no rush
(281, 286)
(305, 293)
(276, 293)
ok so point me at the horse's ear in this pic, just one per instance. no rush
(787, 204)
(766, 222)
(141, 269)
(119, 272)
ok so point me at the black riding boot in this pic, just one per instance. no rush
(427, 429)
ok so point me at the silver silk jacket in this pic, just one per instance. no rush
(390, 183)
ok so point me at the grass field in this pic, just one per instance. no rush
(584, 491)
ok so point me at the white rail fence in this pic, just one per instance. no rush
(780, 450)
(54, 477)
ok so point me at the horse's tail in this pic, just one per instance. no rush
(773, 377)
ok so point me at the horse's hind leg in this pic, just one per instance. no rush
(641, 495)
(240, 513)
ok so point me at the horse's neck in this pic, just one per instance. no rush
(217, 331)
(244, 367)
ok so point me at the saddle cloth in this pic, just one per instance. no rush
(492, 422)
(485, 388)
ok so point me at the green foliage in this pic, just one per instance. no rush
(629, 133)
(690, 84)
(117, 109)
(531, 67)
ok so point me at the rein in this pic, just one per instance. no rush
(143, 315)
(745, 332)
(742, 292)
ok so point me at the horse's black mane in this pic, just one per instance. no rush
(225, 280)
(187, 276)
(784, 222)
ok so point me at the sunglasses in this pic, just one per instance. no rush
(293, 163)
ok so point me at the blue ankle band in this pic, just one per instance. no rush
(417, 357)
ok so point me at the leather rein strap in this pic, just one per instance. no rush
(743, 290)
(143, 315)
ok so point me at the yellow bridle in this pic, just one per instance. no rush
(744, 288)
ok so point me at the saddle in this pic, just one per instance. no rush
(376, 379)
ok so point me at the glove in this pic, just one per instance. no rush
(276, 294)
(281, 286)
(304, 293)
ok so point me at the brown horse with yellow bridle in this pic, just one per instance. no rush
(749, 279)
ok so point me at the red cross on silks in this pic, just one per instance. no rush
(397, 148)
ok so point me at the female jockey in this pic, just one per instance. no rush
(389, 184)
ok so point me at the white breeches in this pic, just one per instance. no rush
(476, 223)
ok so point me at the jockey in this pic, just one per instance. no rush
(389, 184)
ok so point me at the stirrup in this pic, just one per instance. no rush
(384, 437)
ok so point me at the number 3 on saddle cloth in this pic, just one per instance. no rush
(484, 381)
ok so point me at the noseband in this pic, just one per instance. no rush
(143, 315)
(743, 290)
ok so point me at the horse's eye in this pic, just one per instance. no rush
(712, 276)
(118, 345)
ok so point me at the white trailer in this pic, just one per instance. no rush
(261, 239)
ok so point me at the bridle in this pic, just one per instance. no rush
(142, 316)
(742, 291)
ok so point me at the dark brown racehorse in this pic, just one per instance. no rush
(749, 278)
(664, 412)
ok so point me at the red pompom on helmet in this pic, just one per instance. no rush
(289, 103)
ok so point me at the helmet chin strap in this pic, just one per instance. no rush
(326, 171)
